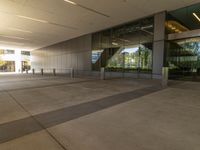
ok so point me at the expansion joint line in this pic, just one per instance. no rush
(41, 125)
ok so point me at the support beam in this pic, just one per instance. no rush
(187, 34)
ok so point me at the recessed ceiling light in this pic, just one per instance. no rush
(20, 30)
(71, 2)
(177, 30)
(15, 43)
(13, 37)
(42, 21)
(196, 16)
(87, 8)
(173, 28)
(33, 19)
(170, 25)
(115, 44)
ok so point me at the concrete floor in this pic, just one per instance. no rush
(57, 113)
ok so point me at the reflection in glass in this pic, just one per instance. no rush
(183, 58)
(132, 58)
(127, 47)
(184, 19)
(96, 54)
(7, 66)
(26, 65)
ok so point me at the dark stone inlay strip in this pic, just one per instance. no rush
(22, 127)
(18, 128)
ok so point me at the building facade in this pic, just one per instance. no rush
(144, 46)
(14, 60)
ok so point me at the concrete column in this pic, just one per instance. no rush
(18, 61)
(159, 44)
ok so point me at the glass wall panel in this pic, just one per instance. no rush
(127, 47)
(183, 58)
(26, 62)
(7, 66)
(26, 65)
(183, 55)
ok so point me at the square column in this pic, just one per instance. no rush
(18, 61)
(159, 44)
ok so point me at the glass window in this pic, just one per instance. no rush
(6, 52)
(27, 53)
(7, 66)
(96, 54)
(183, 58)
(1, 51)
(26, 65)
(127, 47)
(9, 52)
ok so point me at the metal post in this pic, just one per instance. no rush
(124, 56)
(72, 72)
(102, 73)
(33, 71)
(42, 72)
(165, 71)
(26, 71)
(138, 73)
(54, 72)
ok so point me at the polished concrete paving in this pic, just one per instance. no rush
(60, 113)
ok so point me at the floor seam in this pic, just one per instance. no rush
(46, 86)
(46, 130)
